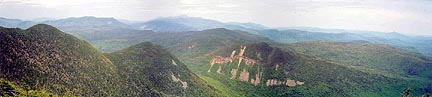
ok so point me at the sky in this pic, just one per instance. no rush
(412, 17)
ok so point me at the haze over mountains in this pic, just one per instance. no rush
(92, 56)
(95, 29)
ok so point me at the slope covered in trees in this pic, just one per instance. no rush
(46, 58)
(198, 48)
(286, 73)
(378, 58)
(43, 58)
(150, 70)
(8, 88)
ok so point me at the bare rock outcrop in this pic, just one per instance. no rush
(175, 79)
(300, 83)
(273, 82)
(240, 55)
(219, 60)
(184, 84)
(219, 69)
(233, 53)
(249, 61)
(191, 46)
(173, 62)
(286, 72)
(222, 60)
(291, 83)
(257, 79)
(244, 75)
(233, 73)
(277, 66)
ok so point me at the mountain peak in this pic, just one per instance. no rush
(91, 18)
(88, 17)
(43, 27)
(217, 29)
(8, 18)
(182, 16)
(42, 54)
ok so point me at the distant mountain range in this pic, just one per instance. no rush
(92, 28)
(186, 23)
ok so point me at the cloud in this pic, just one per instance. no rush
(407, 16)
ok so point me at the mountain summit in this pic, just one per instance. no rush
(46, 58)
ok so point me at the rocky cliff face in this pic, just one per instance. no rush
(270, 71)
(249, 66)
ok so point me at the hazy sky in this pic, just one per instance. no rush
(405, 16)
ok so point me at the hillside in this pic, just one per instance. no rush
(197, 48)
(290, 34)
(262, 70)
(8, 88)
(45, 58)
(181, 40)
(378, 58)
(42, 60)
(185, 45)
(149, 70)
(411, 43)
(190, 46)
